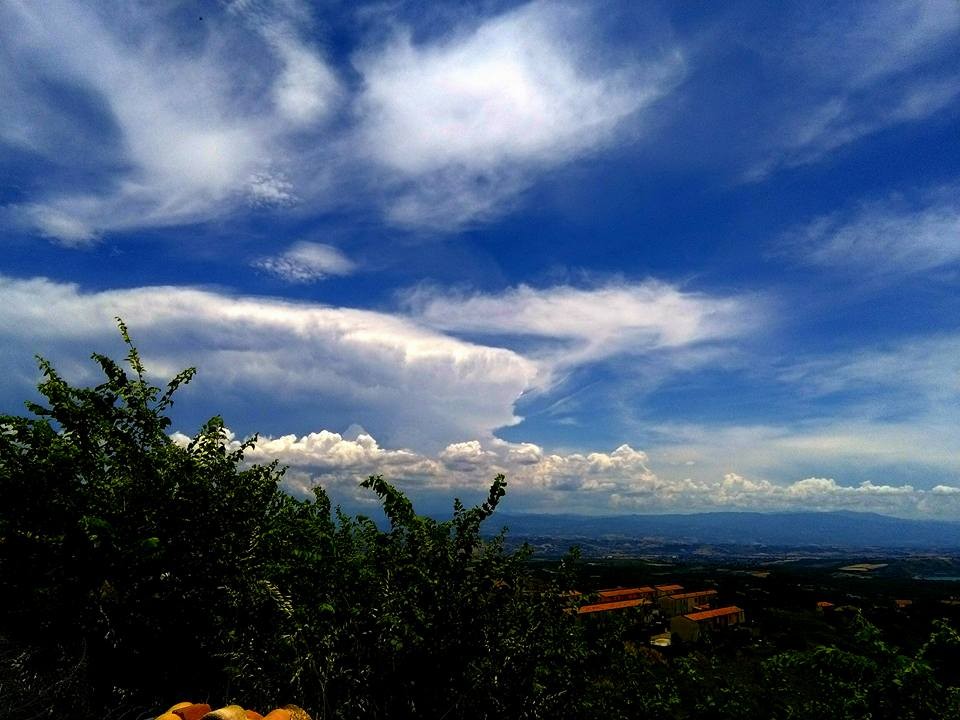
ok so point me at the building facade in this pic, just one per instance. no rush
(688, 602)
(692, 626)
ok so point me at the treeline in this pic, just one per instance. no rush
(135, 572)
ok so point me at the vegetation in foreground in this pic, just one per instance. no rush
(135, 570)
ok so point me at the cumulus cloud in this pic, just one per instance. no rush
(463, 121)
(593, 482)
(305, 262)
(535, 476)
(890, 237)
(593, 323)
(735, 492)
(874, 458)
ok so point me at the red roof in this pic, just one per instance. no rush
(599, 607)
(719, 612)
(668, 587)
(699, 593)
(614, 592)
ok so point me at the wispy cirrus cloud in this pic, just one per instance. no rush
(181, 120)
(567, 326)
(855, 70)
(926, 368)
(189, 136)
(885, 414)
(896, 236)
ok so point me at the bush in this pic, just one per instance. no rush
(147, 571)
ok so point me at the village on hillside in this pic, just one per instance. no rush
(669, 611)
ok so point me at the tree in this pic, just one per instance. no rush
(142, 570)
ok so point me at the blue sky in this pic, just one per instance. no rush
(641, 257)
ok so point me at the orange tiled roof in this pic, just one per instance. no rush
(599, 607)
(613, 592)
(698, 593)
(719, 612)
(668, 587)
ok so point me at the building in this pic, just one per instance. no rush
(662, 590)
(691, 627)
(688, 602)
(607, 606)
(618, 594)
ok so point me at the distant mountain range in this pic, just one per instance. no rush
(797, 529)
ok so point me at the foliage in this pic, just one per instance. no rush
(146, 570)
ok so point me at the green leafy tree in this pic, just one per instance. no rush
(136, 570)
(871, 679)
(123, 554)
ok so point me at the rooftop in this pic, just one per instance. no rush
(698, 593)
(719, 612)
(668, 587)
(613, 592)
(600, 607)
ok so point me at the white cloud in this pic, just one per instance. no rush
(194, 122)
(591, 482)
(892, 237)
(60, 227)
(306, 262)
(403, 376)
(923, 447)
(306, 88)
(856, 70)
(735, 492)
(435, 400)
(638, 318)
(535, 476)
(415, 385)
(925, 369)
(266, 189)
(464, 455)
(462, 121)
(190, 138)
(889, 411)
